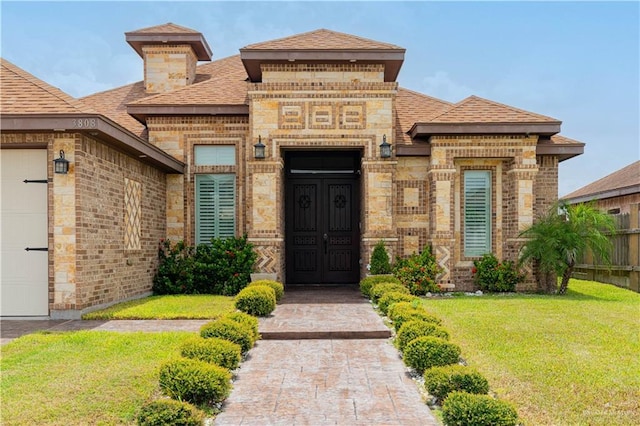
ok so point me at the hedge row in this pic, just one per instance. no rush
(201, 376)
(425, 347)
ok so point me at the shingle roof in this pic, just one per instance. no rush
(478, 110)
(322, 39)
(626, 177)
(413, 107)
(22, 93)
(168, 28)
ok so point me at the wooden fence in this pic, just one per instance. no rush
(625, 257)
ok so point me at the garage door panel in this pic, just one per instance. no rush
(24, 286)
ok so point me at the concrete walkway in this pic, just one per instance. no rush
(325, 359)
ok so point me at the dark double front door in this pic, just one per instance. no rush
(322, 230)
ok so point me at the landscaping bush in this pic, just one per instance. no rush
(164, 412)
(222, 267)
(465, 409)
(426, 352)
(392, 297)
(418, 272)
(233, 331)
(259, 300)
(246, 319)
(197, 382)
(379, 260)
(494, 276)
(275, 285)
(217, 351)
(368, 282)
(401, 312)
(418, 328)
(441, 381)
(379, 290)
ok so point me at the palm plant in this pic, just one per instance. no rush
(556, 240)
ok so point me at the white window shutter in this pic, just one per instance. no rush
(215, 207)
(477, 212)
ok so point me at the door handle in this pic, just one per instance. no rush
(36, 249)
(325, 238)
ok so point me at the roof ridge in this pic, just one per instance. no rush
(512, 108)
(168, 24)
(75, 103)
(321, 30)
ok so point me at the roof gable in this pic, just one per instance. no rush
(621, 182)
(322, 39)
(168, 28)
(169, 33)
(23, 93)
(478, 110)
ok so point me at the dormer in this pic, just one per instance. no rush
(170, 53)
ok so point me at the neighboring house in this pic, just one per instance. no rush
(619, 195)
(614, 193)
(306, 144)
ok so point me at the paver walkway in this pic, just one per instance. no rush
(340, 369)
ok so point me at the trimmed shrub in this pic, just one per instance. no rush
(259, 300)
(380, 260)
(465, 409)
(392, 297)
(163, 412)
(197, 382)
(426, 352)
(228, 329)
(401, 312)
(441, 381)
(214, 350)
(275, 285)
(492, 275)
(246, 319)
(379, 290)
(418, 328)
(367, 283)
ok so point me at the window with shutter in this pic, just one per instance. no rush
(477, 212)
(215, 207)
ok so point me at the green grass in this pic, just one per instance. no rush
(82, 378)
(572, 359)
(167, 307)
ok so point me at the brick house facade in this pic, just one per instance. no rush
(174, 156)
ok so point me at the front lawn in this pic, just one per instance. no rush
(198, 306)
(570, 359)
(81, 378)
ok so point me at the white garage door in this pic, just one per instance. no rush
(24, 286)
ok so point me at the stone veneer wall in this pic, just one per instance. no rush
(177, 136)
(120, 207)
(168, 67)
(319, 107)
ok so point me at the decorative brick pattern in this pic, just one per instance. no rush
(291, 115)
(411, 197)
(322, 115)
(268, 259)
(352, 115)
(443, 257)
(132, 214)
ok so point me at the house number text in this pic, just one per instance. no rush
(83, 123)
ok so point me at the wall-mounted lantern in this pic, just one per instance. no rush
(259, 148)
(385, 148)
(61, 165)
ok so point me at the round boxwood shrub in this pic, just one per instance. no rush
(217, 351)
(368, 282)
(380, 260)
(379, 290)
(392, 297)
(169, 412)
(401, 312)
(225, 328)
(245, 319)
(441, 381)
(427, 351)
(275, 285)
(259, 300)
(197, 382)
(418, 328)
(465, 409)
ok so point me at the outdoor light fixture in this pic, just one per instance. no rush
(259, 148)
(61, 165)
(385, 148)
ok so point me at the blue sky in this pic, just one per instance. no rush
(575, 61)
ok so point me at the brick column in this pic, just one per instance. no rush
(441, 224)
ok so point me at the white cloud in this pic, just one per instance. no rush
(440, 85)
